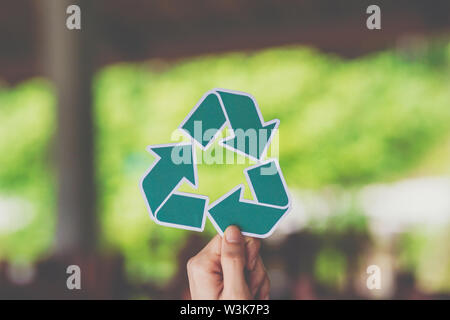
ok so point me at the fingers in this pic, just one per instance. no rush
(257, 277)
(202, 269)
(264, 291)
(218, 270)
(252, 246)
(259, 281)
(212, 249)
(233, 263)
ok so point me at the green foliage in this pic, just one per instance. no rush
(330, 268)
(27, 191)
(424, 249)
(342, 122)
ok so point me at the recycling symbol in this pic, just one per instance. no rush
(176, 164)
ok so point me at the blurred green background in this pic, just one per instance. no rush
(347, 127)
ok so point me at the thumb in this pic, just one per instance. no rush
(233, 264)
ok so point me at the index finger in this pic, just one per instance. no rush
(213, 248)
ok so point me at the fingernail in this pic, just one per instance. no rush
(266, 297)
(233, 234)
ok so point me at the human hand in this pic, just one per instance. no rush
(228, 268)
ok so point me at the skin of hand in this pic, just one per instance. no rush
(228, 268)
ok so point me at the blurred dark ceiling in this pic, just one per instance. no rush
(129, 30)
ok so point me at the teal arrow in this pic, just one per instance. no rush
(253, 219)
(165, 174)
(185, 210)
(240, 111)
(174, 165)
(259, 217)
(267, 184)
(206, 120)
(251, 134)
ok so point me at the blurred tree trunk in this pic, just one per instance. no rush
(67, 60)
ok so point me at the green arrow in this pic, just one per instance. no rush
(251, 133)
(253, 219)
(206, 120)
(183, 210)
(256, 218)
(174, 165)
(165, 175)
(218, 107)
(267, 183)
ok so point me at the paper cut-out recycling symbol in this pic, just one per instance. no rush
(176, 163)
